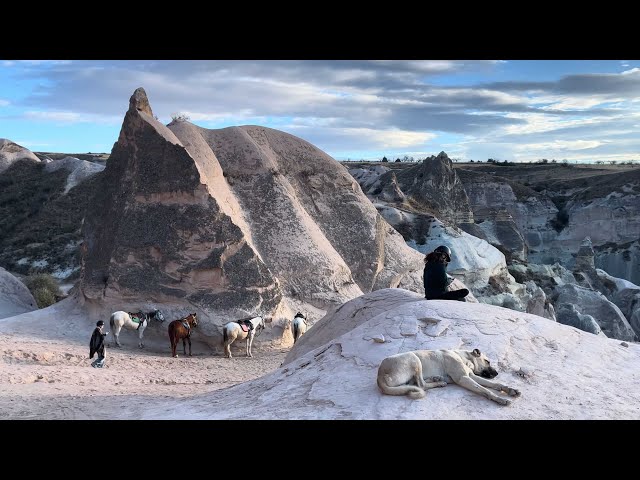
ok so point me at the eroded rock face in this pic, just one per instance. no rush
(620, 260)
(495, 199)
(15, 297)
(588, 302)
(11, 152)
(309, 219)
(569, 315)
(624, 294)
(233, 221)
(156, 233)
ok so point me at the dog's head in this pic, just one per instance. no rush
(482, 365)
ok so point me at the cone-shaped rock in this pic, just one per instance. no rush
(155, 232)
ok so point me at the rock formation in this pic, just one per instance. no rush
(232, 221)
(15, 297)
(11, 152)
(79, 170)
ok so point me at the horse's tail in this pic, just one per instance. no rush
(224, 334)
(295, 332)
(112, 322)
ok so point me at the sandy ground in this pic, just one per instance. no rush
(46, 373)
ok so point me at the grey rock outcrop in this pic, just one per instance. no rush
(619, 259)
(79, 170)
(588, 302)
(547, 277)
(496, 199)
(434, 184)
(624, 294)
(11, 152)
(15, 297)
(569, 315)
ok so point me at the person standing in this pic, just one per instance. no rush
(97, 344)
(436, 279)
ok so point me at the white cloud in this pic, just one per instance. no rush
(70, 117)
(4, 103)
(559, 145)
(566, 102)
(67, 117)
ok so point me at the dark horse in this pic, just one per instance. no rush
(181, 329)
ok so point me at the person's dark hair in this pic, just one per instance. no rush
(100, 323)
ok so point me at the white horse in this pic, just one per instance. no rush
(299, 326)
(233, 331)
(122, 319)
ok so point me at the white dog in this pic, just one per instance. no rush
(436, 368)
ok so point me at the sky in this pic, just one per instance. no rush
(516, 110)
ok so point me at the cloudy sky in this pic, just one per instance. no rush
(582, 110)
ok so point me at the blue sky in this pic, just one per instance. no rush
(582, 110)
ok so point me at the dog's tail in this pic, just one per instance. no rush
(412, 391)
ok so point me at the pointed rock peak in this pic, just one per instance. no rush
(586, 242)
(443, 155)
(140, 102)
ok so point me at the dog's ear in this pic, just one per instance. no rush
(476, 352)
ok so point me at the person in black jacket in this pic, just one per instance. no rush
(96, 345)
(436, 279)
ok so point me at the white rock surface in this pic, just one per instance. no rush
(11, 152)
(562, 372)
(79, 170)
(15, 297)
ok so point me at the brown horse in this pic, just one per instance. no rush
(181, 329)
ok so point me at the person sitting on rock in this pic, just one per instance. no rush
(436, 279)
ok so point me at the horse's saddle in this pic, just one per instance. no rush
(137, 317)
(245, 325)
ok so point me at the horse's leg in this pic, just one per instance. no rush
(116, 337)
(173, 345)
(249, 343)
(184, 345)
(227, 345)
(189, 340)
(141, 331)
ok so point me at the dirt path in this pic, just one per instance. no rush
(52, 379)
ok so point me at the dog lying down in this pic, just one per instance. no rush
(412, 373)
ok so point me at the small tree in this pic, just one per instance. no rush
(384, 159)
(180, 117)
(397, 160)
(44, 289)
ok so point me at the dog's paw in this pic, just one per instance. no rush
(437, 378)
(503, 401)
(442, 384)
(513, 392)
